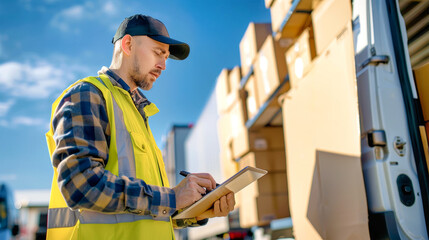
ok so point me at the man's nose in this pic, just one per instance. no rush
(161, 64)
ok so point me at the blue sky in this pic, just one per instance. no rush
(45, 45)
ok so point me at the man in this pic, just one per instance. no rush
(109, 177)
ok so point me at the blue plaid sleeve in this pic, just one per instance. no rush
(82, 136)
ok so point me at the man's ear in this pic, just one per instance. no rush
(126, 44)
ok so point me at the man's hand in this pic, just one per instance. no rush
(220, 208)
(191, 188)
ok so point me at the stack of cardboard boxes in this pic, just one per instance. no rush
(326, 188)
(266, 199)
(264, 69)
(261, 146)
(275, 58)
(232, 116)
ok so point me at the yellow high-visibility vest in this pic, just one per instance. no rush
(132, 152)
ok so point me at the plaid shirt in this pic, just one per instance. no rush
(82, 136)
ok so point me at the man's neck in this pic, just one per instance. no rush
(124, 76)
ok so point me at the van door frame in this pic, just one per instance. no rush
(411, 105)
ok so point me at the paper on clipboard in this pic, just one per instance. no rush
(234, 184)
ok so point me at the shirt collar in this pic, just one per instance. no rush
(137, 95)
(118, 79)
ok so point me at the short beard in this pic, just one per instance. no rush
(140, 80)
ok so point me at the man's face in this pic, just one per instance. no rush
(149, 57)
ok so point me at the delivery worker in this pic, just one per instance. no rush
(109, 177)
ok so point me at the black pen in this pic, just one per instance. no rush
(186, 173)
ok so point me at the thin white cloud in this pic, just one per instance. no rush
(109, 8)
(5, 106)
(35, 79)
(27, 121)
(64, 18)
(70, 19)
(24, 121)
(8, 177)
(32, 81)
(40, 6)
(75, 12)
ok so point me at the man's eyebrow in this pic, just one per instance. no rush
(163, 50)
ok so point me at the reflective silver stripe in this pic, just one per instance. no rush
(65, 217)
(103, 218)
(126, 163)
(62, 217)
(124, 147)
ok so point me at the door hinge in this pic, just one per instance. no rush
(375, 60)
(377, 138)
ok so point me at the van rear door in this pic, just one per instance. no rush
(393, 160)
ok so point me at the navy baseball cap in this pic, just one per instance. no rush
(139, 24)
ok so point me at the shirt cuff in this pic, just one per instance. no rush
(163, 202)
(188, 222)
(202, 222)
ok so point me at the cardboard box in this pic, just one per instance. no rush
(261, 210)
(228, 165)
(237, 118)
(272, 161)
(297, 14)
(264, 139)
(231, 123)
(308, 5)
(227, 88)
(270, 66)
(329, 20)
(222, 85)
(277, 120)
(252, 100)
(251, 42)
(235, 78)
(323, 148)
(300, 56)
(421, 76)
(297, 20)
(224, 129)
(275, 182)
(278, 10)
(425, 134)
(271, 183)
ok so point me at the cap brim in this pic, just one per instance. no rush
(178, 50)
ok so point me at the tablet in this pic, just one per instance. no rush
(234, 184)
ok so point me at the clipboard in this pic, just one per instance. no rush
(234, 184)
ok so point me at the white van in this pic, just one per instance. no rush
(361, 85)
